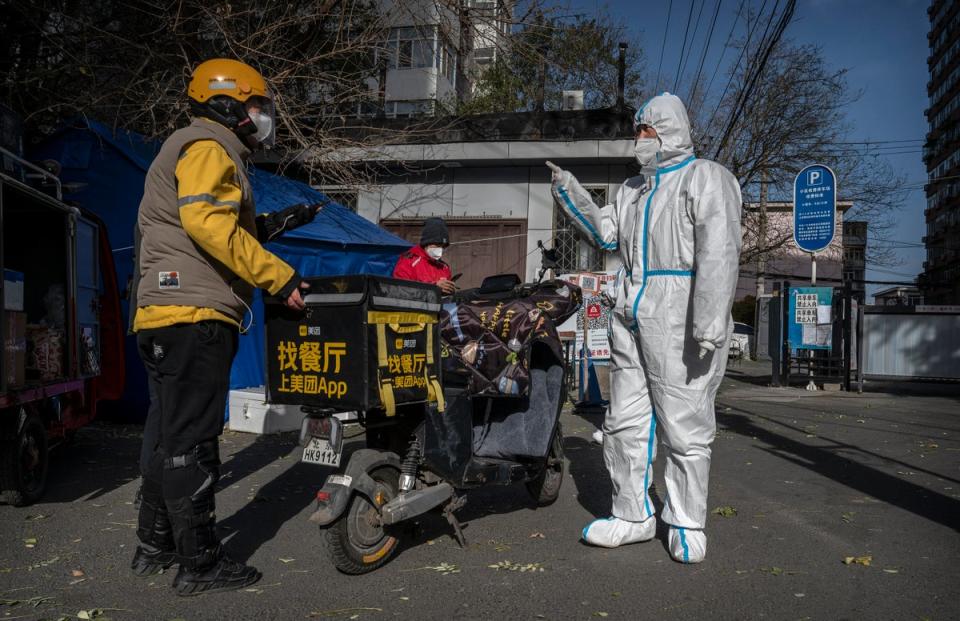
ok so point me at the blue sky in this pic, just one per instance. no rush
(883, 44)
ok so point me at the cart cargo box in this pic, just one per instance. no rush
(363, 342)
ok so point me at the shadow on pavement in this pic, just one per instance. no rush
(824, 461)
(279, 500)
(748, 376)
(99, 459)
(917, 389)
(594, 490)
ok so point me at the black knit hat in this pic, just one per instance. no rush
(434, 232)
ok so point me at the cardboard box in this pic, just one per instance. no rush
(15, 349)
(12, 290)
(45, 352)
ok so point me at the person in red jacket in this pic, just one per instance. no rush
(423, 263)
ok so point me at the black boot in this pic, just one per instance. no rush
(204, 568)
(156, 551)
(149, 561)
(223, 575)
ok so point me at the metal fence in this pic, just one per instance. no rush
(911, 343)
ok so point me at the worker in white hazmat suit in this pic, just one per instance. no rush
(676, 228)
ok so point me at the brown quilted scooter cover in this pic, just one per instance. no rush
(488, 340)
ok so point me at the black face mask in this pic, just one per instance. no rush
(228, 112)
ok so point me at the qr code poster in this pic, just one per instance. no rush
(593, 318)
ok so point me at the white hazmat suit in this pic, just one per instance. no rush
(677, 231)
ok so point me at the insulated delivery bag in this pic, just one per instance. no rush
(363, 342)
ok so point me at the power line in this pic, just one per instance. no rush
(656, 85)
(803, 277)
(706, 48)
(775, 38)
(693, 38)
(676, 79)
(736, 66)
(726, 46)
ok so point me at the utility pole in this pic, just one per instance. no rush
(761, 265)
(762, 235)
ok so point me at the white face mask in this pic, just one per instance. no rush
(646, 151)
(435, 252)
(264, 125)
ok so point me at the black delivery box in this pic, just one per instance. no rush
(363, 342)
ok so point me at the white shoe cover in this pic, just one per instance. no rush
(612, 532)
(597, 436)
(687, 545)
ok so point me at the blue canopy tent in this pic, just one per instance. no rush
(103, 170)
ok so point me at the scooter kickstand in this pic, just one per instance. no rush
(455, 503)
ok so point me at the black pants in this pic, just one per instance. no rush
(188, 370)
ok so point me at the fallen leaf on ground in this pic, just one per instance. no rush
(891, 571)
(287, 560)
(77, 573)
(538, 536)
(725, 511)
(601, 614)
(511, 566)
(342, 612)
(847, 517)
(49, 561)
(858, 560)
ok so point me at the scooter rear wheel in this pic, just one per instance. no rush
(545, 489)
(358, 543)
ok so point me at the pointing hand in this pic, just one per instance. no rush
(556, 173)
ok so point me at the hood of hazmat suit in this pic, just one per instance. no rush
(677, 232)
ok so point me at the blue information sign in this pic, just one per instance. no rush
(811, 318)
(814, 208)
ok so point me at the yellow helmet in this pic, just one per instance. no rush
(219, 89)
(223, 76)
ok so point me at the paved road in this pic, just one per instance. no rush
(814, 478)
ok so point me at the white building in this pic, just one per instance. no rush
(487, 178)
(434, 55)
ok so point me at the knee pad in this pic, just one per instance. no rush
(193, 474)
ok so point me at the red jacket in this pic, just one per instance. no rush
(416, 264)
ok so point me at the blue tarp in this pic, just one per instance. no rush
(103, 170)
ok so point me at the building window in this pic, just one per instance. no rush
(415, 107)
(484, 55)
(411, 48)
(447, 59)
(575, 252)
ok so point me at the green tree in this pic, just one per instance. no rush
(553, 55)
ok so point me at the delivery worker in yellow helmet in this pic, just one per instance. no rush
(199, 258)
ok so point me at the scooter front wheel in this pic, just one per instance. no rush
(358, 543)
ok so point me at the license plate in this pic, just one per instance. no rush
(320, 452)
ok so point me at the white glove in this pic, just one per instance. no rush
(705, 348)
(556, 173)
